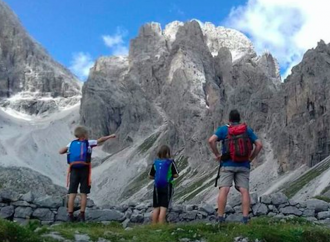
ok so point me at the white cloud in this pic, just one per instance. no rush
(80, 65)
(286, 28)
(116, 42)
(175, 9)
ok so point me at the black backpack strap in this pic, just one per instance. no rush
(218, 175)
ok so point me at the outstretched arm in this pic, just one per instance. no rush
(101, 140)
(257, 149)
(63, 150)
(213, 144)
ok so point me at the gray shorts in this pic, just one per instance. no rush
(239, 175)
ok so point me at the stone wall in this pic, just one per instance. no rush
(50, 210)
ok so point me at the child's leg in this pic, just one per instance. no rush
(162, 215)
(72, 197)
(155, 215)
(83, 202)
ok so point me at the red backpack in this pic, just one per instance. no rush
(238, 143)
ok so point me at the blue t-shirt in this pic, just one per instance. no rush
(222, 133)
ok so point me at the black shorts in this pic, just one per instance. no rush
(79, 176)
(162, 197)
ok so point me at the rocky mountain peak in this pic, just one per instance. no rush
(27, 72)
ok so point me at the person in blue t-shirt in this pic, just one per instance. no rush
(232, 170)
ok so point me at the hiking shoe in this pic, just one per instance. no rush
(220, 220)
(245, 220)
(81, 217)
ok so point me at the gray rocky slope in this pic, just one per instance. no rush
(30, 80)
(173, 89)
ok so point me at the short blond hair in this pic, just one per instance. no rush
(80, 132)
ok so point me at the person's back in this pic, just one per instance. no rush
(163, 171)
(237, 153)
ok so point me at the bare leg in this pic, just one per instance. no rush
(72, 197)
(162, 215)
(83, 202)
(245, 201)
(155, 215)
(222, 200)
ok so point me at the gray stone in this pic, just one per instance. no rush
(7, 212)
(229, 209)
(254, 198)
(311, 219)
(141, 206)
(323, 215)
(188, 216)
(283, 205)
(90, 203)
(81, 238)
(122, 208)
(189, 208)
(234, 217)
(44, 214)
(178, 208)
(128, 213)
(104, 215)
(202, 214)
(318, 205)
(28, 197)
(62, 214)
(49, 202)
(259, 209)
(309, 212)
(271, 214)
(236, 201)
(54, 236)
(266, 199)
(23, 204)
(23, 212)
(137, 218)
(173, 217)
(21, 221)
(126, 223)
(9, 196)
(207, 208)
(291, 210)
(279, 198)
(293, 203)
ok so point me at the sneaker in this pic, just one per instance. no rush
(220, 219)
(81, 217)
(245, 220)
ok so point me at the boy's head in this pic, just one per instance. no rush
(81, 132)
(234, 116)
(164, 152)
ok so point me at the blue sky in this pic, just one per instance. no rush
(67, 28)
(76, 32)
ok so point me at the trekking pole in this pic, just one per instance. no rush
(218, 176)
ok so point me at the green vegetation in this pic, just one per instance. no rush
(148, 143)
(13, 232)
(137, 183)
(326, 199)
(291, 189)
(182, 163)
(263, 229)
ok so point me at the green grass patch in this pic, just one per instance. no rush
(263, 229)
(11, 232)
(148, 143)
(291, 189)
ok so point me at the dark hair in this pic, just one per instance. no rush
(164, 152)
(234, 116)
